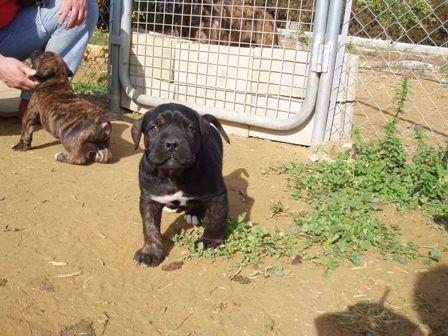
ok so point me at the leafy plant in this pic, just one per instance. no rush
(347, 193)
(90, 88)
(303, 37)
(401, 97)
(99, 37)
(402, 14)
(250, 243)
(278, 208)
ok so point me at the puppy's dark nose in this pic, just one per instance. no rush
(171, 145)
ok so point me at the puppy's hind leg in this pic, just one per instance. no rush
(72, 159)
(103, 155)
(30, 123)
(75, 156)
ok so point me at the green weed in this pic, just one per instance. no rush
(401, 97)
(99, 37)
(400, 15)
(249, 243)
(347, 193)
(350, 46)
(278, 208)
(91, 88)
(303, 37)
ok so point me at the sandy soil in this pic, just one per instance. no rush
(68, 234)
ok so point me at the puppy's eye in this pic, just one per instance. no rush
(153, 128)
(191, 129)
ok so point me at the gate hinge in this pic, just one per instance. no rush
(321, 59)
(115, 39)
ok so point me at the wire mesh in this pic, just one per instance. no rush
(246, 56)
(403, 52)
(92, 75)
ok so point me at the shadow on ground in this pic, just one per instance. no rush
(374, 319)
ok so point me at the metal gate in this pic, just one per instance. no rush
(274, 67)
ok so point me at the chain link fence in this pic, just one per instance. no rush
(403, 66)
(92, 76)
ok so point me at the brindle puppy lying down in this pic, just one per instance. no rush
(83, 128)
(234, 23)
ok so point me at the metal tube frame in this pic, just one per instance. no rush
(338, 70)
(114, 47)
(326, 28)
(326, 80)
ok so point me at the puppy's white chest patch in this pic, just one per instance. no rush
(177, 199)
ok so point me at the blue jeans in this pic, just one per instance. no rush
(37, 28)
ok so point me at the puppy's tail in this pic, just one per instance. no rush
(117, 116)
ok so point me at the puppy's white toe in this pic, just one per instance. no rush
(194, 220)
(188, 219)
(166, 209)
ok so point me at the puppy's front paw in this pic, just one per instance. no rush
(210, 243)
(148, 259)
(20, 146)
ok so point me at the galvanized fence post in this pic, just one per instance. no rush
(337, 73)
(326, 80)
(114, 47)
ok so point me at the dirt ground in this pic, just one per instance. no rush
(68, 234)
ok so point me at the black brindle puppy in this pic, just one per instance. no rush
(181, 169)
(84, 129)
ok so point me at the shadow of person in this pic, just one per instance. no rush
(365, 319)
(120, 147)
(239, 200)
(441, 219)
(431, 300)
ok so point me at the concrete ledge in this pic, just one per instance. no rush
(9, 98)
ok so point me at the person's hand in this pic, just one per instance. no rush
(15, 74)
(78, 10)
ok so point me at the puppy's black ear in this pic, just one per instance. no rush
(210, 119)
(204, 128)
(136, 132)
